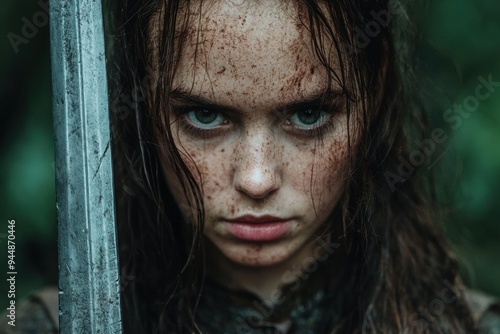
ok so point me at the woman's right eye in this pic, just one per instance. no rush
(205, 119)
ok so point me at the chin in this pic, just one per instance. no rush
(255, 254)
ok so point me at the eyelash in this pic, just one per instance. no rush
(318, 131)
(196, 131)
(315, 132)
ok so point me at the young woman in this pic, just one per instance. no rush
(266, 156)
(261, 152)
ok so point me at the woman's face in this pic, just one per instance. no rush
(257, 125)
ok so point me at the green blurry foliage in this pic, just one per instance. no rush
(466, 35)
(464, 43)
(27, 189)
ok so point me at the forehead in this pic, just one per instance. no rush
(248, 53)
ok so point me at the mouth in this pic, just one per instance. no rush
(258, 228)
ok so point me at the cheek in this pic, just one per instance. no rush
(205, 167)
(320, 172)
(209, 166)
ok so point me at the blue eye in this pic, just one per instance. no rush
(308, 118)
(204, 118)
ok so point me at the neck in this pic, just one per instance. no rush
(267, 282)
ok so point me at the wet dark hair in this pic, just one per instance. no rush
(398, 260)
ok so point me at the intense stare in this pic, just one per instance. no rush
(258, 125)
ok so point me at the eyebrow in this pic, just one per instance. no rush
(184, 97)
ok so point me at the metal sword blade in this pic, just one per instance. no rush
(89, 297)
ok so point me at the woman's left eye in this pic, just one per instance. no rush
(308, 119)
(204, 118)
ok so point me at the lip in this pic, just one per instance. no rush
(251, 219)
(258, 228)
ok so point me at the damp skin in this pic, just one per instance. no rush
(248, 78)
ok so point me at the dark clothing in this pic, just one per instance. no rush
(250, 315)
(38, 314)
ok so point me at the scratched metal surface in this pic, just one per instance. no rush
(89, 298)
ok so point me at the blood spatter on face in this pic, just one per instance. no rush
(252, 60)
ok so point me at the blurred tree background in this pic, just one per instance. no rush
(27, 189)
(464, 39)
(466, 34)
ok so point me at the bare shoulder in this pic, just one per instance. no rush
(485, 310)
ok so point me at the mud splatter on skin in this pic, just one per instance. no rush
(252, 59)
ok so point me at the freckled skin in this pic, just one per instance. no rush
(253, 56)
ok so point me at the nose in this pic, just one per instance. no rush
(257, 161)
